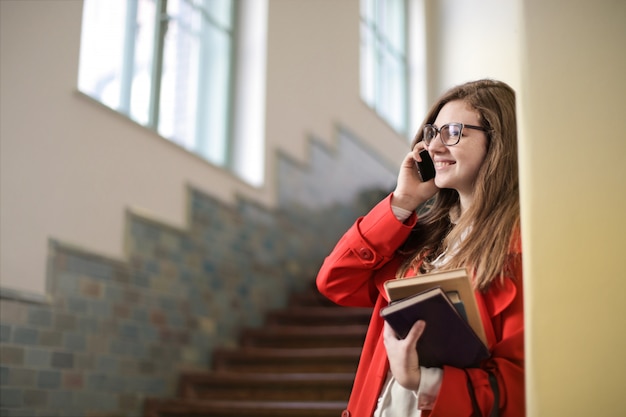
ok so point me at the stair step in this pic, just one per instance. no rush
(300, 364)
(154, 407)
(266, 386)
(316, 316)
(278, 360)
(310, 298)
(305, 336)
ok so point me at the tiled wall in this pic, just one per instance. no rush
(115, 331)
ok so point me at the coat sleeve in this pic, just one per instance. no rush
(503, 311)
(347, 274)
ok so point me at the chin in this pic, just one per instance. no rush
(441, 183)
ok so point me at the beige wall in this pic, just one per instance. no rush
(473, 39)
(574, 202)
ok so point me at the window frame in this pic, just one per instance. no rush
(375, 45)
(199, 143)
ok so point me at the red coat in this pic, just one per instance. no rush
(353, 275)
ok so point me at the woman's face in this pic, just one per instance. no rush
(457, 166)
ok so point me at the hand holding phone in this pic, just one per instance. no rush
(425, 168)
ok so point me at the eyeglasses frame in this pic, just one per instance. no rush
(438, 130)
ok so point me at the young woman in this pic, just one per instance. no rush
(471, 220)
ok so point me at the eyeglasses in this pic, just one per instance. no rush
(450, 134)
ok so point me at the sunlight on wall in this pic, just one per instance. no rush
(249, 130)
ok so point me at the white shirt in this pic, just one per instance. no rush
(395, 400)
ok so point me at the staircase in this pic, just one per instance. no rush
(300, 364)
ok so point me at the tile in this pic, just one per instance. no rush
(65, 283)
(12, 312)
(85, 361)
(129, 331)
(93, 268)
(129, 401)
(62, 360)
(60, 399)
(5, 333)
(49, 379)
(11, 397)
(40, 317)
(64, 322)
(11, 355)
(75, 342)
(76, 305)
(34, 398)
(21, 377)
(90, 288)
(50, 338)
(105, 363)
(25, 336)
(4, 375)
(73, 380)
(37, 358)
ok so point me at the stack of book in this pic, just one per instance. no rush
(454, 333)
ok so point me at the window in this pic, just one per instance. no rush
(384, 60)
(170, 65)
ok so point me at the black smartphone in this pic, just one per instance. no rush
(426, 168)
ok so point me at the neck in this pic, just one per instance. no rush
(465, 201)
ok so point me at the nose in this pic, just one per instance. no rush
(436, 144)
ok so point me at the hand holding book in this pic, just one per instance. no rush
(405, 367)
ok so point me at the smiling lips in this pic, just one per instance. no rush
(443, 164)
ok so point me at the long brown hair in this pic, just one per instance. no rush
(481, 236)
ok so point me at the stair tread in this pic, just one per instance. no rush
(198, 407)
(325, 330)
(281, 405)
(291, 353)
(310, 299)
(264, 359)
(263, 377)
(252, 386)
(324, 310)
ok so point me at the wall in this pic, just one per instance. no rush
(155, 257)
(473, 39)
(115, 332)
(574, 200)
(58, 147)
(69, 167)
